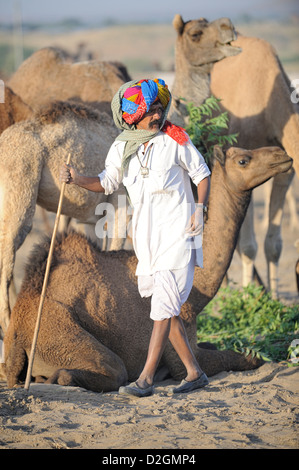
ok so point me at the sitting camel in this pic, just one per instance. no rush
(31, 153)
(53, 77)
(95, 327)
(255, 91)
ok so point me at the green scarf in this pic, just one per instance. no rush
(131, 135)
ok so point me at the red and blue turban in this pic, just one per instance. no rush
(138, 98)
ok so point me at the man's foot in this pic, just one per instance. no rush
(186, 386)
(136, 390)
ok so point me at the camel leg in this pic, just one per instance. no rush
(93, 366)
(273, 240)
(211, 361)
(15, 357)
(15, 224)
(247, 246)
(291, 200)
(215, 361)
(267, 197)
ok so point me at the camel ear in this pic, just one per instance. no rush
(219, 155)
(178, 23)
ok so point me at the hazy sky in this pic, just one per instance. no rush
(137, 10)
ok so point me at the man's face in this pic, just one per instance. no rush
(152, 120)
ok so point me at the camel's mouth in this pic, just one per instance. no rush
(223, 50)
(228, 49)
(285, 164)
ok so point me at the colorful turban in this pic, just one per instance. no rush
(138, 98)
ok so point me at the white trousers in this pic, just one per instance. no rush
(169, 290)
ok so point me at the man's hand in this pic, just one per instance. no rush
(195, 225)
(68, 174)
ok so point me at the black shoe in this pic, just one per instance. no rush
(134, 389)
(186, 386)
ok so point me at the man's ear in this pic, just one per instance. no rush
(219, 155)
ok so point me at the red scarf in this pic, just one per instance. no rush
(177, 133)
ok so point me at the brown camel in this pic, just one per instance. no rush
(31, 154)
(255, 91)
(261, 110)
(53, 77)
(12, 110)
(95, 327)
(199, 45)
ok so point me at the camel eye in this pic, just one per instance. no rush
(243, 162)
(196, 36)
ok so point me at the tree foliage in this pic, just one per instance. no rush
(206, 127)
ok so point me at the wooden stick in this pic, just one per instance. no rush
(42, 298)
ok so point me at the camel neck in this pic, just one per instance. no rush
(226, 213)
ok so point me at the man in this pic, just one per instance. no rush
(155, 161)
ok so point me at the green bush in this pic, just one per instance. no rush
(249, 320)
(206, 126)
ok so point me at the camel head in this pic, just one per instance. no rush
(200, 42)
(244, 170)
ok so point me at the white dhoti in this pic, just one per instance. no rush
(169, 290)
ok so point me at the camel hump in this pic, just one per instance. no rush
(54, 111)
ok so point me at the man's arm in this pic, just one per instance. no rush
(69, 175)
(203, 191)
(195, 226)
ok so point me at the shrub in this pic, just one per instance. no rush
(249, 320)
(206, 126)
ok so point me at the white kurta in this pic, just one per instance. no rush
(162, 202)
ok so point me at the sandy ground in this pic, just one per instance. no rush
(238, 410)
(255, 409)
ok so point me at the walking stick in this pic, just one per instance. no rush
(42, 298)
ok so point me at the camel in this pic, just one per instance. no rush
(13, 110)
(53, 77)
(199, 45)
(95, 328)
(255, 91)
(262, 112)
(31, 154)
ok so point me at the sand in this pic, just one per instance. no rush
(254, 409)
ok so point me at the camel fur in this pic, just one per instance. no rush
(255, 91)
(13, 109)
(95, 327)
(31, 155)
(53, 77)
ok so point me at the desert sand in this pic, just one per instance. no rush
(254, 409)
